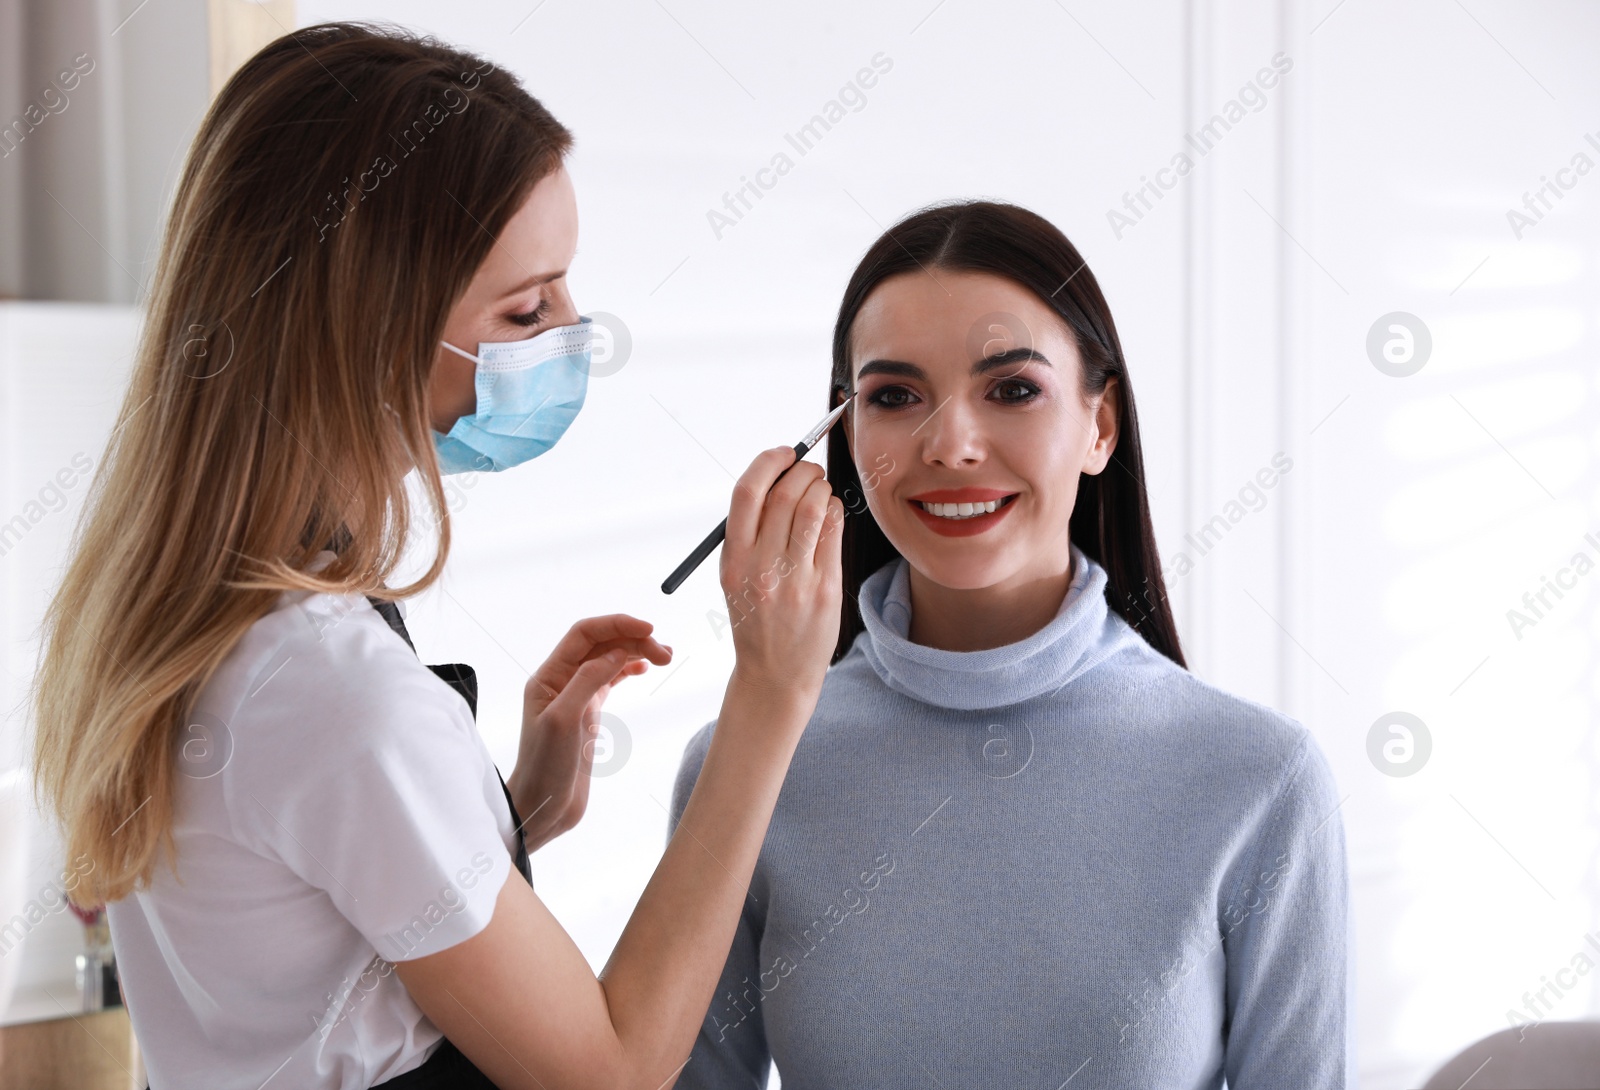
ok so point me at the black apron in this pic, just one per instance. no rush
(447, 1068)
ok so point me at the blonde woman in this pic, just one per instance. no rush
(315, 875)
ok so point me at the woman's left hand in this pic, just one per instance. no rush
(561, 706)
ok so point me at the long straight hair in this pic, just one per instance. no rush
(1111, 516)
(340, 194)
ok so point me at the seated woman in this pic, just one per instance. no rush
(1020, 845)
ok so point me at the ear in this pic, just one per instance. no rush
(1106, 418)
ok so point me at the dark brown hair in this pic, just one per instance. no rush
(341, 193)
(1111, 516)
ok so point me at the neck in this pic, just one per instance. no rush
(949, 619)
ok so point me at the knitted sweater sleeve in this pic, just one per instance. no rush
(1284, 932)
(731, 1050)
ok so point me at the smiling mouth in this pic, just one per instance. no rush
(955, 512)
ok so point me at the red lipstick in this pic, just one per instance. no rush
(962, 495)
(972, 524)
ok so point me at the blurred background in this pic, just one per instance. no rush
(1355, 239)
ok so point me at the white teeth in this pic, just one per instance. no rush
(960, 510)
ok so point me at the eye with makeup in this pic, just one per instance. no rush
(880, 396)
(1029, 390)
(532, 317)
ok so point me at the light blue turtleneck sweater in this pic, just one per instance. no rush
(1065, 862)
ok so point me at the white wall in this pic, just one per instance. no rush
(1376, 576)
(63, 369)
(98, 103)
(1434, 502)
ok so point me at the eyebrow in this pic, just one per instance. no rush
(983, 366)
(533, 282)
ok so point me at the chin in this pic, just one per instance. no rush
(960, 564)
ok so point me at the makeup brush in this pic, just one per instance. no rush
(714, 538)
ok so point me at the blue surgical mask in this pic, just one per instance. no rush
(528, 393)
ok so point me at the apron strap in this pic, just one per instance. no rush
(464, 680)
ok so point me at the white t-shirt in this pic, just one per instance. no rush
(337, 812)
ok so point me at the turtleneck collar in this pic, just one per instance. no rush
(1082, 632)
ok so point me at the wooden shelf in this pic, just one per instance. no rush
(76, 1052)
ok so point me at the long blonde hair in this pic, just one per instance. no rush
(342, 191)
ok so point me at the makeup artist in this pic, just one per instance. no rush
(315, 875)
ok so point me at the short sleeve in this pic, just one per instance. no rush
(730, 1053)
(1285, 934)
(374, 792)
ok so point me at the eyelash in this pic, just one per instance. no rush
(876, 397)
(532, 317)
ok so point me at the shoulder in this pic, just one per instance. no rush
(324, 674)
(1220, 763)
(1247, 758)
(321, 731)
(1171, 710)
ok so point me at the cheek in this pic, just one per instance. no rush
(880, 457)
(451, 390)
(878, 434)
(1048, 460)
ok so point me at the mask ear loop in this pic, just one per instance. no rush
(459, 352)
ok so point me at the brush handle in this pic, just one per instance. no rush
(701, 551)
(715, 538)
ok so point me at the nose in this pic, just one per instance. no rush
(562, 309)
(952, 436)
